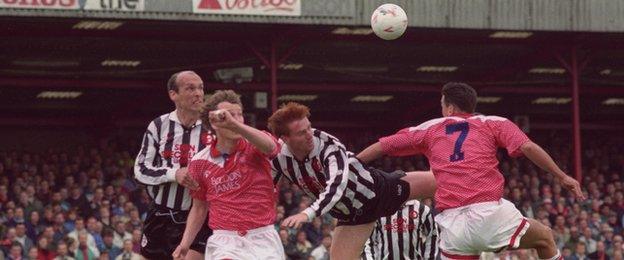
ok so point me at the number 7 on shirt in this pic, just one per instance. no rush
(463, 128)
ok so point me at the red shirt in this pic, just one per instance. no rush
(462, 154)
(238, 186)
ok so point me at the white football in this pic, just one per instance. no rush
(389, 21)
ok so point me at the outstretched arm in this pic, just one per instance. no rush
(537, 155)
(337, 168)
(371, 153)
(509, 136)
(408, 141)
(261, 140)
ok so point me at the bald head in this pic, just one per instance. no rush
(172, 83)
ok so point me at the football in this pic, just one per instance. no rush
(389, 21)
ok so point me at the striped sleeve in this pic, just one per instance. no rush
(431, 240)
(146, 170)
(336, 167)
(276, 170)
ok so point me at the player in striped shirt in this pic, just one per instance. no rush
(340, 185)
(411, 233)
(461, 148)
(169, 143)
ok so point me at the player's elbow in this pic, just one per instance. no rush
(140, 177)
(529, 147)
(371, 153)
(269, 148)
(138, 173)
(199, 205)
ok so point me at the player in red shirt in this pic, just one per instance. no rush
(235, 187)
(461, 148)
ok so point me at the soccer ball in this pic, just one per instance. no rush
(389, 21)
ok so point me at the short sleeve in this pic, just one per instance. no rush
(408, 141)
(195, 169)
(509, 136)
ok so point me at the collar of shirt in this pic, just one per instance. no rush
(174, 116)
(463, 115)
(315, 151)
(214, 152)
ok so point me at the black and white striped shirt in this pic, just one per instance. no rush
(167, 146)
(411, 233)
(330, 174)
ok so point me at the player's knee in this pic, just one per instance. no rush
(546, 237)
(549, 232)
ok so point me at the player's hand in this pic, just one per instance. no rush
(180, 252)
(222, 118)
(184, 179)
(295, 220)
(572, 185)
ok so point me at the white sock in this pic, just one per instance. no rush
(556, 257)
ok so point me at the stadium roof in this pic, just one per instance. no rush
(123, 65)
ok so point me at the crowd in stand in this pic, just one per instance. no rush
(84, 204)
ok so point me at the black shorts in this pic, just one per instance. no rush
(163, 230)
(390, 194)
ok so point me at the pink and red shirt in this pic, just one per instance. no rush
(238, 186)
(462, 154)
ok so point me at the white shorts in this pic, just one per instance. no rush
(260, 243)
(467, 231)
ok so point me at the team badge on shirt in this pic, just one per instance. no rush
(144, 241)
(206, 138)
(413, 214)
(316, 165)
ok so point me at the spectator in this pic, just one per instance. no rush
(79, 201)
(288, 202)
(588, 240)
(128, 253)
(62, 252)
(18, 217)
(16, 252)
(575, 238)
(45, 251)
(59, 227)
(90, 240)
(322, 251)
(289, 246)
(313, 231)
(104, 214)
(8, 218)
(135, 221)
(7, 241)
(92, 228)
(83, 251)
(600, 252)
(33, 253)
(579, 252)
(304, 247)
(34, 225)
(20, 237)
(120, 234)
(108, 246)
(104, 256)
(48, 216)
(136, 240)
